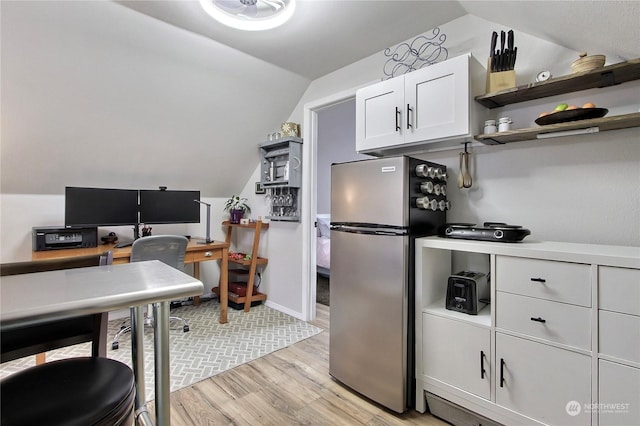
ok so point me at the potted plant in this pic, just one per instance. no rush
(236, 207)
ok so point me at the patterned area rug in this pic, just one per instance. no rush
(209, 348)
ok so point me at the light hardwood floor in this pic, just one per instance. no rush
(291, 386)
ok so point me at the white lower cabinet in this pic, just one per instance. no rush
(618, 394)
(619, 342)
(458, 354)
(542, 382)
(558, 345)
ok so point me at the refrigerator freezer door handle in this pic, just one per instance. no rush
(367, 231)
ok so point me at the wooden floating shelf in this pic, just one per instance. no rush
(604, 124)
(601, 77)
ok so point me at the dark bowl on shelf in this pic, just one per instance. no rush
(571, 115)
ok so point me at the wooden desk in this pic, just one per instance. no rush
(31, 299)
(197, 252)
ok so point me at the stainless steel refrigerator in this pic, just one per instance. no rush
(378, 207)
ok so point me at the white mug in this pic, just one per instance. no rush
(504, 124)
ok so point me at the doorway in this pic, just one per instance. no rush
(330, 130)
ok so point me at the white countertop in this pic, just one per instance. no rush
(609, 255)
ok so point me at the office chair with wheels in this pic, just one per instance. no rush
(169, 249)
(91, 390)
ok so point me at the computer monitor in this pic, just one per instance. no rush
(162, 206)
(89, 207)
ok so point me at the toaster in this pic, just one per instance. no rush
(467, 292)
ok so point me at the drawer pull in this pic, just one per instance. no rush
(208, 254)
(539, 280)
(482, 370)
(539, 320)
(502, 372)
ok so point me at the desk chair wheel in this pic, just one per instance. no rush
(114, 346)
(185, 328)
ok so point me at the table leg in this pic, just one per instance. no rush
(224, 285)
(161, 347)
(137, 361)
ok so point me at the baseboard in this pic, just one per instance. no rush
(285, 310)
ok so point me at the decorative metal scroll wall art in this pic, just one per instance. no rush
(421, 52)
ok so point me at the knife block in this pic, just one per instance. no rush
(497, 81)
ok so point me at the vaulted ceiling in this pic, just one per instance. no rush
(325, 35)
(138, 94)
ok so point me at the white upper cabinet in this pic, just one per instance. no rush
(431, 108)
(379, 115)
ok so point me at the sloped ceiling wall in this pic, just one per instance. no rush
(94, 94)
(97, 94)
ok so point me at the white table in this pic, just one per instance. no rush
(33, 298)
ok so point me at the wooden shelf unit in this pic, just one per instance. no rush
(603, 124)
(252, 264)
(602, 77)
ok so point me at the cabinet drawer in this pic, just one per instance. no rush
(201, 256)
(545, 279)
(619, 289)
(557, 322)
(619, 335)
(619, 390)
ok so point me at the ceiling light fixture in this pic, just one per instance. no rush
(250, 15)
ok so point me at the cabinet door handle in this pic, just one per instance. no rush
(538, 320)
(397, 119)
(539, 280)
(482, 370)
(409, 110)
(502, 363)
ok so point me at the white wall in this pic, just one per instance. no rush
(97, 94)
(576, 189)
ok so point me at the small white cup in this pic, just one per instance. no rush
(504, 124)
(490, 127)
